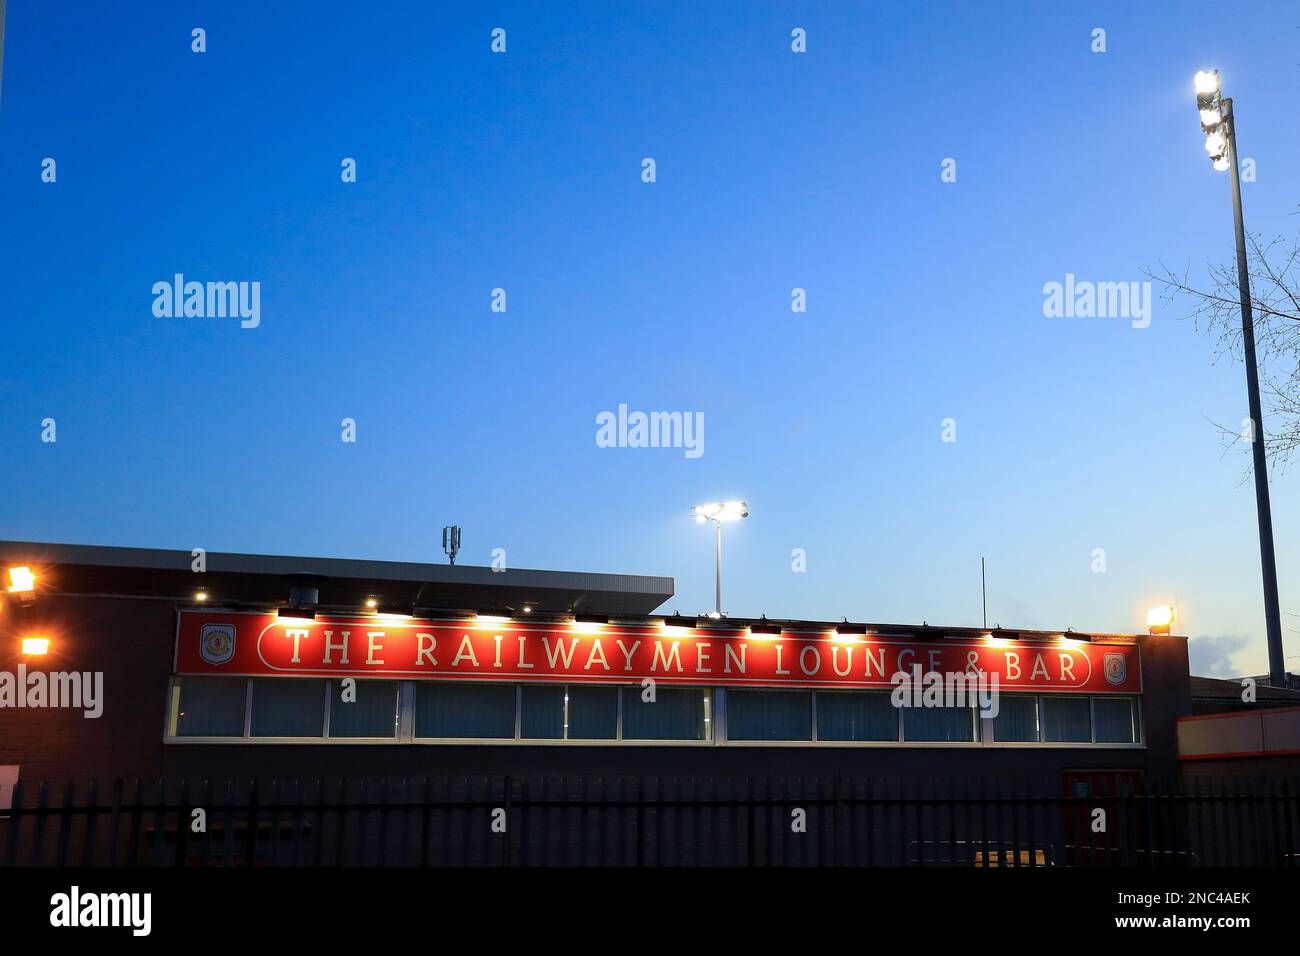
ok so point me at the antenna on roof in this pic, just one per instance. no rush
(984, 595)
(451, 541)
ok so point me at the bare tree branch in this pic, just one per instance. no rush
(1274, 271)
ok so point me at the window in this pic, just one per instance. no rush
(1066, 720)
(846, 716)
(1017, 719)
(568, 713)
(542, 716)
(939, 724)
(211, 707)
(372, 714)
(675, 714)
(288, 708)
(1115, 720)
(769, 715)
(465, 710)
(593, 713)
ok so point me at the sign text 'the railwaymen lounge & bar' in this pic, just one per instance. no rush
(253, 644)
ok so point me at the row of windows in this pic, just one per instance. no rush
(206, 707)
(270, 707)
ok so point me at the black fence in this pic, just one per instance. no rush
(650, 821)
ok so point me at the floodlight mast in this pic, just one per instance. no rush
(718, 513)
(1219, 123)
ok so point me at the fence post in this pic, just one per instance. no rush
(92, 821)
(159, 825)
(15, 824)
(205, 842)
(1286, 815)
(275, 821)
(505, 847)
(42, 807)
(835, 820)
(426, 811)
(137, 811)
(182, 824)
(363, 822)
(115, 821)
(65, 823)
(297, 821)
(250, 853)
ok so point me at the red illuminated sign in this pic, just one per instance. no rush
(217, 642)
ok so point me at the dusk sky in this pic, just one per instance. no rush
(774, 170)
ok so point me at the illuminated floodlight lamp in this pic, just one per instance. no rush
(35, 646)
(21, 579)
(1210, 106)
(1160, 620)
(22, 584)
(724, 511)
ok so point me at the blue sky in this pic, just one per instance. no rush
(775, 170)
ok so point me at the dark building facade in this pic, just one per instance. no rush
(402, 670)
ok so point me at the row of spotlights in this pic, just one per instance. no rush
(724, 511)
(1209, 104)
(1159, 619)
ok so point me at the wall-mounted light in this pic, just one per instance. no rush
(35, 646)
(22, 584)
(200, 596)
(21, 578)
(764, 626)
(302, 603)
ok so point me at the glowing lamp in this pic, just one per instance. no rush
(21, 579)
(22, 584)
(36, 646)
(1160, 620)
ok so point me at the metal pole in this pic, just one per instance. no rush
(1272, 615)
(2, 41)
(718, 605)
(984, 595)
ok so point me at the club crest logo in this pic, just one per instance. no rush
(217, 643)
(1116, 668)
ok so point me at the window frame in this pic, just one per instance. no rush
(715, 718)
